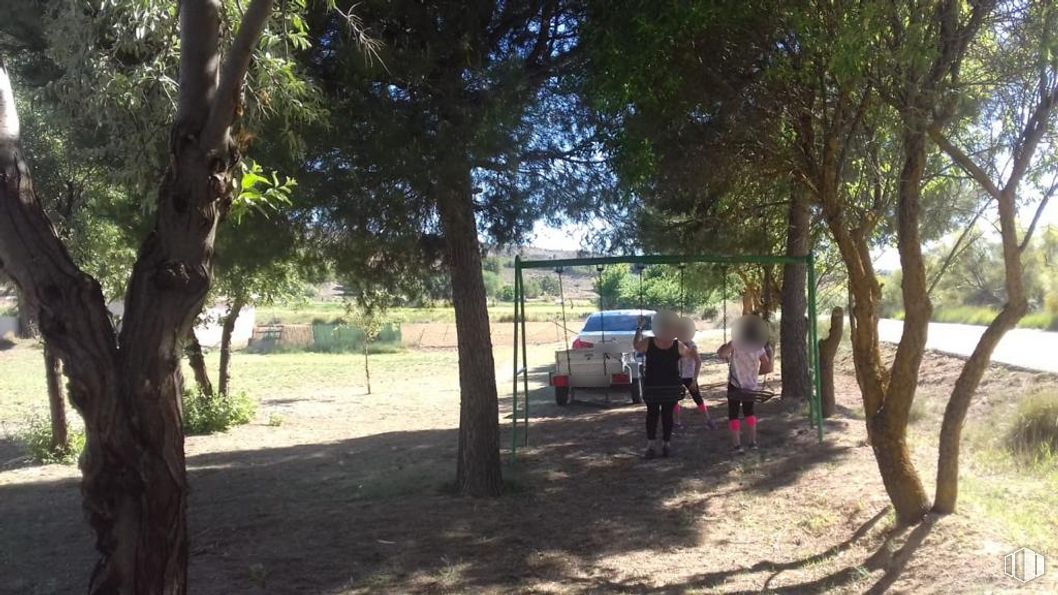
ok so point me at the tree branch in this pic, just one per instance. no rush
(199, 35)
(955, 249)
(69, 304)
(229, 90)
(1035, 128)
(964, 161)
(1036, 218)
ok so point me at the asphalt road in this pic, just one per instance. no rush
(1024, 348)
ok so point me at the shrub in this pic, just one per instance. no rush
(208, 415)
(1040, 320)
(965, 315)
(492, 283)
(1034, 434)
(549, 285)
(36, 439)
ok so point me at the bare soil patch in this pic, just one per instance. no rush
(347, 496)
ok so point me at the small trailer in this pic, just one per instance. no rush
(596, 369)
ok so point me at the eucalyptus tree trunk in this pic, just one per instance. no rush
(793, 335)
(478, 466)
(127, 386)
(227, 329)
(60, 439)
(1016, 306)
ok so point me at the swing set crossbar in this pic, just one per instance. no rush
(665, 259)
(521, 373)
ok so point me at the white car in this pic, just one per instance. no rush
(602, 356)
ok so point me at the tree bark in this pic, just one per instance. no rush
(234, 310)
(197, 361)
(1014, 309)
(127, 386)
(793, 335)
(60, 439)
(27, 325)
(478, 466)
(828, 348)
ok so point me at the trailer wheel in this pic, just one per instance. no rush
(637, 391)
(562, 395)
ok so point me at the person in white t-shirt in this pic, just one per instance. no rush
(748, 357)
(690, 367)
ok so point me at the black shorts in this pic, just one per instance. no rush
(736, 401)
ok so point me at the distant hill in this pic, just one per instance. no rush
(578, 282)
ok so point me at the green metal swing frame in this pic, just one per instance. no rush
(815, 410)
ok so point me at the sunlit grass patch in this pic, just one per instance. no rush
(1011, 475)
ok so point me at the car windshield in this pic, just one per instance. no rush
(614, 323)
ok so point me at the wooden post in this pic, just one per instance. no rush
(828, 348)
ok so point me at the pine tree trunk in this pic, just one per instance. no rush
(60, 439)
(234, 310)
(478, 466)
(793, 335)
(197, 361)
(828, 348)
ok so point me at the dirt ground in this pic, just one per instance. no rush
(347, 496)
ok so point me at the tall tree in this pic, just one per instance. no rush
(846, 92)
(1021, 59)
(854, 119)
(453, 148)
(127, 384)
(694, 139)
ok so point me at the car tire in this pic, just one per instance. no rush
(637, 392)
(562, 395)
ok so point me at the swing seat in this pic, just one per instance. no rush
(756, 396)
(663, 394)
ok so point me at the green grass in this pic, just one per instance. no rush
(1040, 320)
(36, 437)
(982, 316)
(289, 374)
(23, 392)
(329, 312)
(1034, 435)
(1005, 479)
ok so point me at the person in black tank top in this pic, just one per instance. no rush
(663, 352)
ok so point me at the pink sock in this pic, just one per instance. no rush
(734, 425)
(701, 408)
(751, 421)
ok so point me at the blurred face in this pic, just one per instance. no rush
(687, 330)
(666, 326)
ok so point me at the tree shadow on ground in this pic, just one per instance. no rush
(890, 558)
(370, 513)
